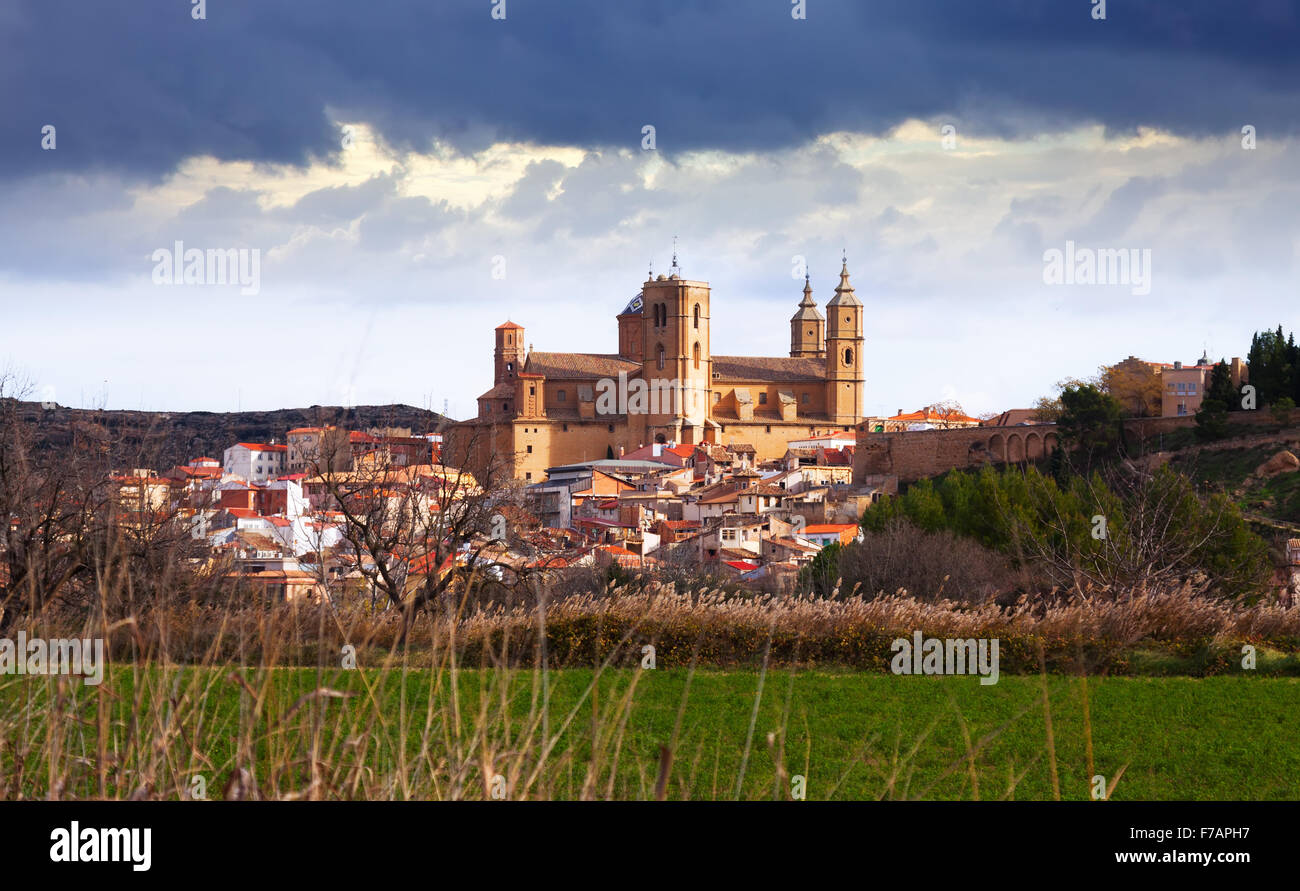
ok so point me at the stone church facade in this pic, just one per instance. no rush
(665, 385)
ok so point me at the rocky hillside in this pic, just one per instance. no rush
(163, 439)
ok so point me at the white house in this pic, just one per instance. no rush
(256, 462)
(830, 441)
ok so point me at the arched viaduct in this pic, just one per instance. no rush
(915, 454)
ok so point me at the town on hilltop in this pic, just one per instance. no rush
(659, 457)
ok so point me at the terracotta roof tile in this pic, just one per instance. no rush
(768, 368)
(581, 366)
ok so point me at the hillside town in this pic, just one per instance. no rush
(278, 514)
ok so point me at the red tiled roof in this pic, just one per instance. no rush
(583, 366)
(263, 446)
(768, 368)
(619, 551)
(927, 415)
(742, 565)
(508, 325)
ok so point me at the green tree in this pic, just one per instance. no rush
(1220, 387)
(1090, 424)
(822, 572)
(1273, 360)
(1212, 420)
(1282, 409)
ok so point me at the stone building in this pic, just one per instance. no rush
(665, 385)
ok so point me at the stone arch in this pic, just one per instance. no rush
(1051, 442)
(1015, 448)
(1033, 446)
(998, 447)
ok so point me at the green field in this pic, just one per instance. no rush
(850, 735)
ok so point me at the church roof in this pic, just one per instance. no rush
(807, 306)
(500, 391)
(634, 305)
(844, 295)
(768, 368)
(508, 325)
(578, 365)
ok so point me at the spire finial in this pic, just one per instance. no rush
(675, 267)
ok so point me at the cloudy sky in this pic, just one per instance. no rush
(415, 172)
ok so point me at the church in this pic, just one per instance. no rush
(665, 385)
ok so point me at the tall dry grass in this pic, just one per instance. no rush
(201, 692)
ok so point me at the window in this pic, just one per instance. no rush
(804, 398)
(659, 351)
(848, 356)
(697, 346)
(505, 407)
(716, 397)
(559, 396)
(528, 476)
(510, 366)
(611, 428)
(530, 450)
(566, 428)
(762, 399)
(532, 390)
(697, 315)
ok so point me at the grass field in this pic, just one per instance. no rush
(403, 734)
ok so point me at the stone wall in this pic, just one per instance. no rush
(921, 453)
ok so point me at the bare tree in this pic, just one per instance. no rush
(419, 530)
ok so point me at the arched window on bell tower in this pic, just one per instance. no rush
(659, 353)
(697, 318)
(697, 349)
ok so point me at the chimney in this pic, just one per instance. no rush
(1178, 366)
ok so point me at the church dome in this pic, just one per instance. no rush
(634, 305)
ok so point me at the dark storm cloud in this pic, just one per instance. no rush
(139, 86)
